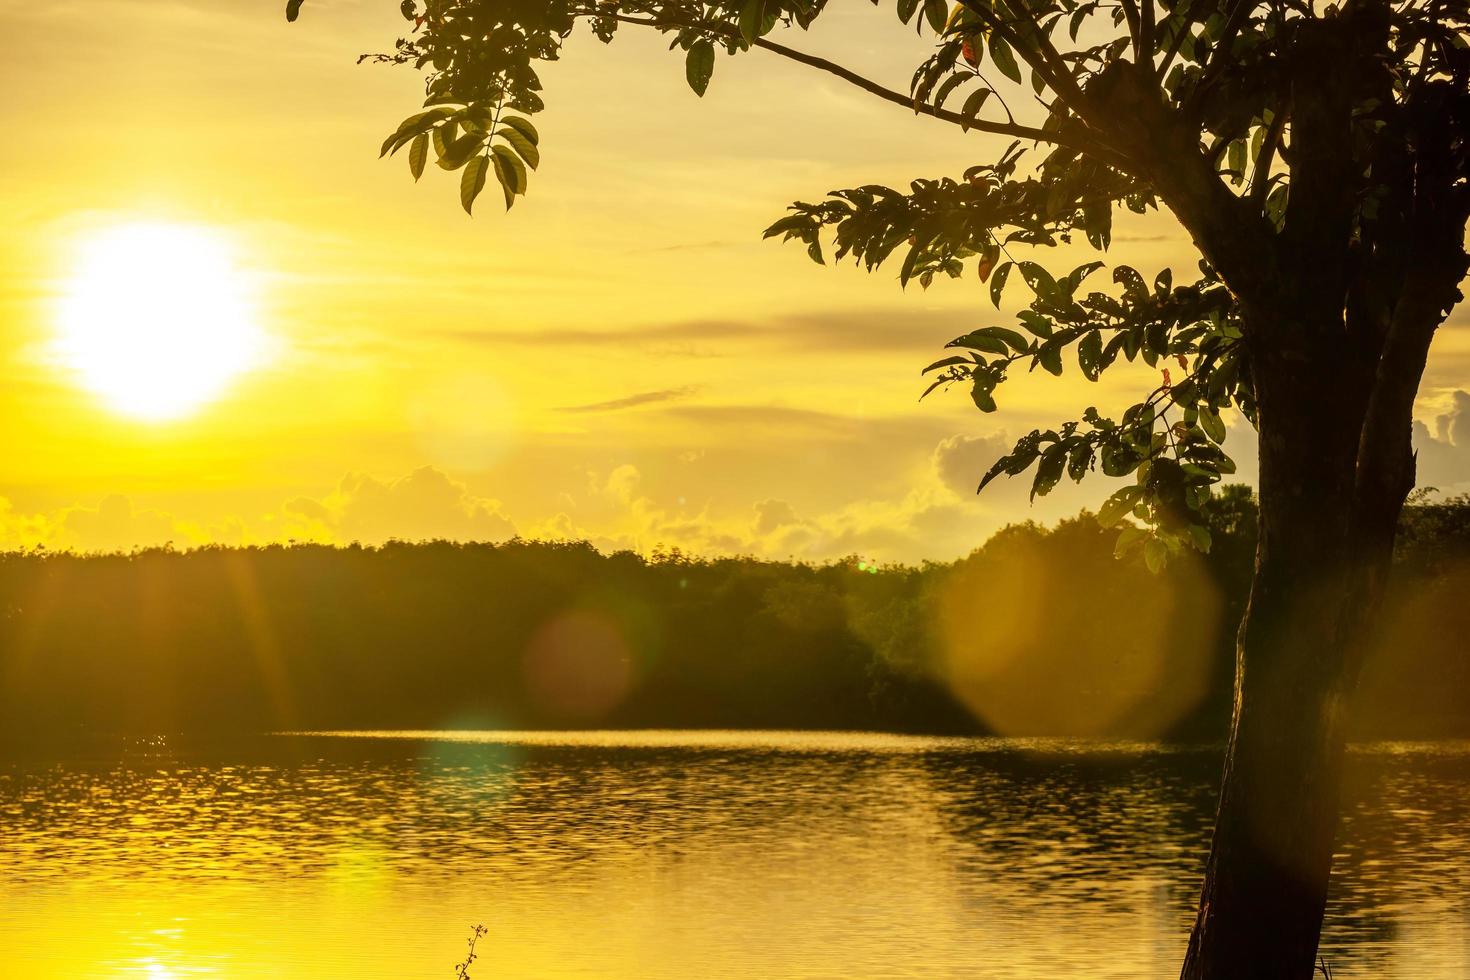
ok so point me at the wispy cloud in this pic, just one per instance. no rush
(879, 330)
(633, 401)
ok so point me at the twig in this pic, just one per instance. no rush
(462, 970)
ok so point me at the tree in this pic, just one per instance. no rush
(1317, 155)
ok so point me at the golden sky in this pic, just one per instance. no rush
(620, 357)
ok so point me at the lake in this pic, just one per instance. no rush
(686, 855)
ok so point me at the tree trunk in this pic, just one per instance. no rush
(1320, 569)
(1266, 881)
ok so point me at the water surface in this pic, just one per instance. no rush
(664, 855)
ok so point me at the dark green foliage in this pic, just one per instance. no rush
(432, 635)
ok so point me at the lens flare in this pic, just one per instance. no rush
(1036, 637)
(579, 666)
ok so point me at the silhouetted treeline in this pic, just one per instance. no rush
(1039, 631)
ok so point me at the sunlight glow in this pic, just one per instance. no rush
(156, 318)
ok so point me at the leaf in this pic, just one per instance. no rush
(1004, 58)
(476, 117)
(1276, 204)
(513, 168)
(982, 341)
(1050, 356)
(1076, 277)
(1079, 463)
(950, 84)
(1048, 472)
(1211, 422)
(459, 152)
(524, 127)
(1128, 539)
(1200, 535)
(506, 181)
(974, 102)
(985, 266)
(1015, 338)
(1089, 354)
(791, 225)
(293, 10)
(1075, 24)
(1038, 323)
(946, 362)
(1235, 162)
(1155, 554)
(906, 10)
(699, 66)
(998, 282)
(521, 145)
(1116, 507)
(1132, 283)
(1040, 281)
(412, 126)
(472, 182)
(750, 20)
(937, 12)
(418, 155)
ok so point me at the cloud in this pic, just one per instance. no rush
(633, 401)
(23, 530)
(1443, 449)
(898, 488)
(115, 525)
(882, 330)
(886, 434)
(772, 515)
(424, 505)
(683, 247)
(928, 510)
(622, 484)
(1444, 453)
(960, 461)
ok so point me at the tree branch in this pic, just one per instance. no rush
(887, 94)
(1434, 263)
(1220, 56)
(1325, 180)
(1146, 38)
(1261, 175)
(1236, 240)
(1045, 60)
(1385, 452)
(923, 108)
(1130, 14)
(1186, 22)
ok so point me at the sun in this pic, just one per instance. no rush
(157, 318)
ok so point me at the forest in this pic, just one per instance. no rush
(1039, 631)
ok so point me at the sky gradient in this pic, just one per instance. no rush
(619, 358)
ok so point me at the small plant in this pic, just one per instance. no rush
(1323, 968)
(462, 970)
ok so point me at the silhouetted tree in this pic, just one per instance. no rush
(1316, 154)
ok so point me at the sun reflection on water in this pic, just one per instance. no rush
(732, 856)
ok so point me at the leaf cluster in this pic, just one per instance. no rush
(474, 140)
